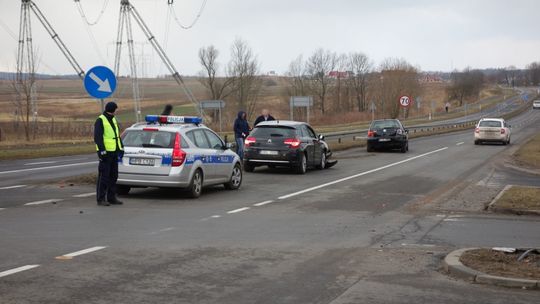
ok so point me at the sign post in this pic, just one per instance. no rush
(216, 105)
(300, 101)
(100, 83)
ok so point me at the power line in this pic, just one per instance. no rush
(83, 15)
(186, 27)
(8, 30)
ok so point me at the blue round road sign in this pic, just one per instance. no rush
(100, 82)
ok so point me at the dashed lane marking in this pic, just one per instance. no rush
(18, 269)
(360, 174)
(2, 209)
(48, 167)
(80, 252)
(41, 163)
(238, 210)
(263, 203)
(49, 201)
(12, 187)
(460, 143)
(85, 194)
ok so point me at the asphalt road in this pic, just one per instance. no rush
(364, 231)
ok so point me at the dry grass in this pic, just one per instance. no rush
(26, 151)
(529, 154)
(503, 264)
(520, 198)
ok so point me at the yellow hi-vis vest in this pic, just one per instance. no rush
(109, 138)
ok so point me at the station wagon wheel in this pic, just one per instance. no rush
(195, 187)
(236, 178)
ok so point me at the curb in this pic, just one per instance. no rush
(454, 267)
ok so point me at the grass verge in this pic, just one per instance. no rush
(503, 264)
(44, 150)
(528, 155)
(519, 199)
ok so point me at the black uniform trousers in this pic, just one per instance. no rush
(107, 176)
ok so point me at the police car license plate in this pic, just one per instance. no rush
(267, 152)
(384, 139)
(142, 161)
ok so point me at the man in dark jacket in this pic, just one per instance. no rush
(265, 116)
(241, 131)
(110, 149)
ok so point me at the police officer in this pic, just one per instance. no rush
(109, 149)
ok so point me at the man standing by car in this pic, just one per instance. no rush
(265, 116)
(241, 131)
(109, 149)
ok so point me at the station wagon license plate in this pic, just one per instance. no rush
(142, 161)
(267, 152)
(384, 139)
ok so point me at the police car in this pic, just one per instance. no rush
(176, 151)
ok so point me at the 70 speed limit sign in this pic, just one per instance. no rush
(405, 101)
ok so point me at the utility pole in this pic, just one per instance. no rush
(25, 46)
(128, 11)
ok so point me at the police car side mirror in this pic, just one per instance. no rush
(321, 137)
(406, 131)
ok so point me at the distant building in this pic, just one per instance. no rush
(430, 78)
(339, 74)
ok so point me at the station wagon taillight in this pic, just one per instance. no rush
(249, 141)
(178, 155)
(371, 133)
(477, 130)
(292, 142)
(503, 131)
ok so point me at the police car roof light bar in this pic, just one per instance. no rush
(168, 119)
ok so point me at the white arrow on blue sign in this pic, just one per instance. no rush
(100, 82)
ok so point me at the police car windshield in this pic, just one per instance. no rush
(149, 139)
(271, 131)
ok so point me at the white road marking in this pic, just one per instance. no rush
(41, 163)
(460, 143)
(48, 167)
(417, 245)
(360, 174)
(12, 187)
(53, 200)
(2, 209)
(85, 194)
(84, 251)
(263, 203)
(216, 216)
(238, 210)
(18, 269)
(167, 229)
(452, 220)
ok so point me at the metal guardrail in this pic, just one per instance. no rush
(362, 133)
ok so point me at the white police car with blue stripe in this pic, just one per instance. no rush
(176, 151)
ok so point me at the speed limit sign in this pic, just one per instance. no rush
(404, 101)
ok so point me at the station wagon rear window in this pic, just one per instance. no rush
(490, 123)
(267, 132)
(385, 124)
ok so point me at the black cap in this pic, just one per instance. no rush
(111, 106)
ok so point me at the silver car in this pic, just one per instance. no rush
(176, 151)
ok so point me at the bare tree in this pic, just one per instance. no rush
(318, 67)
(297, 77)
(244, 70)
(218, 87)
(360, 67)
(397, 77)
(533, 73)
(24, 85)
(467, 83)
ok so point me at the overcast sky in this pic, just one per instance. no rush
(434, 35)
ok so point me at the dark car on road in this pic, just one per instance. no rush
(283, 143)
(387, 134)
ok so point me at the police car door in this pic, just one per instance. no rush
(221, 161)
(203, 153)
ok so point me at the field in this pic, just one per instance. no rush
(67, 113)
